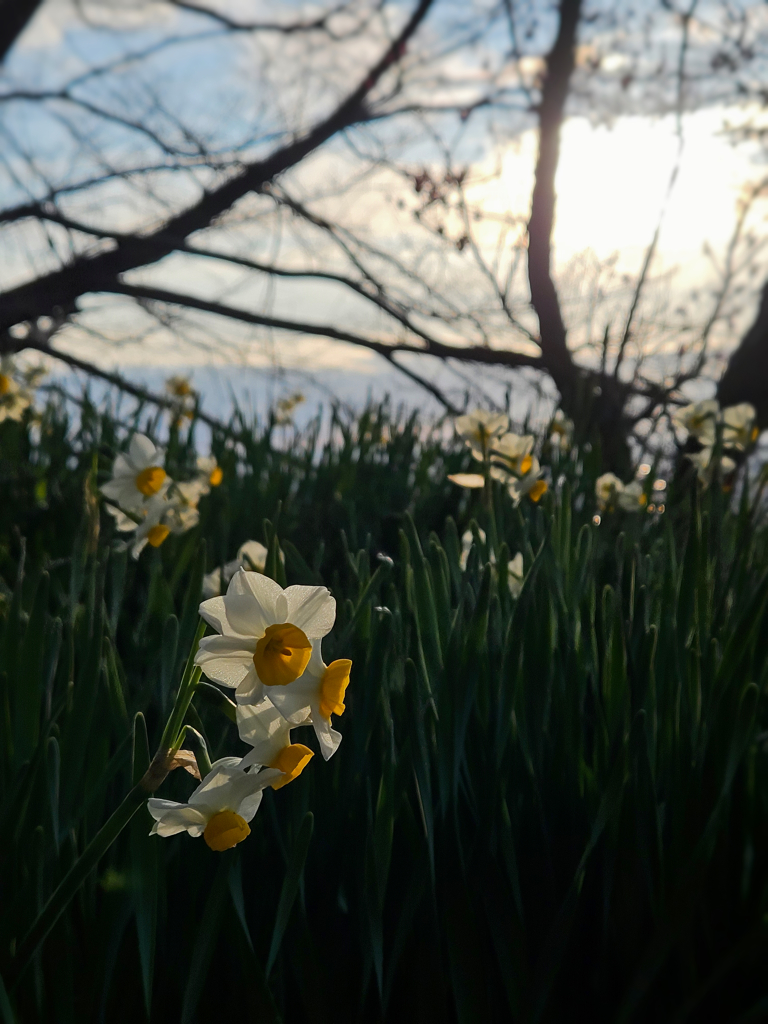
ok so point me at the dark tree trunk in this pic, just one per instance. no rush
(594, 401)
(746, 376)
(14, 15)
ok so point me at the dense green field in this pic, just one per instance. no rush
(543, 804)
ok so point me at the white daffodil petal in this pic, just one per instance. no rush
(172, 818)
(243, 792)
(238, 648)
(312, 609)
(263, 727)
(227, 667)
(250, 689)
(211, 794)
(472, 480)
(253, 602)
(328, 737)
(297, 701)
(123, 523)
(120, 490)
(214, 611)
(143, 453)
(122, 467)
(250, 804)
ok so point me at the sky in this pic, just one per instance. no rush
(611, 185)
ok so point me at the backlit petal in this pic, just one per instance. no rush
(253, 602)
(143, 453)
(312, 609)
(225, 659)
(214, 611)
(172, 818)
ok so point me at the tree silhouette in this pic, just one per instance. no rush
(377, 70)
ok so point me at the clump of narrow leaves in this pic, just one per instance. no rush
(547, 796)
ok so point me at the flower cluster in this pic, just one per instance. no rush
(147, 502)
(612, 494)
(267, 647)
(506, 457)
(515, 572)
(16, 389)
(285, 407)
(183, 396)
(702, 421)
(561, 432)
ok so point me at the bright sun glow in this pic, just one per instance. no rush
(611, 185)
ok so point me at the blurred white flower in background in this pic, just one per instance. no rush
(250, 555)
(478, 429)
(15, 396)
(698, 420)
(137, 475)
(739, 428)
(467, 540)
(515, 575)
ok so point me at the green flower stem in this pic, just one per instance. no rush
(173, 734)
(488, 495)
(158, 769)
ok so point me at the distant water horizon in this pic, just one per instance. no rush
(256, 390)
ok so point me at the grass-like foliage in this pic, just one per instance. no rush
(547, 805)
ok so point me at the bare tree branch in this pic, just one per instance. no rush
(60, 289)
(471, 353)
(38, 344)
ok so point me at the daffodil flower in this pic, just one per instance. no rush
(698, 420)
(530, 483)
(210, 471)
(511, 456)
(137, 476)
(739, 428)
(268, 735)
(161, 518)
(479, 428)
(632, 497)
(611, 494)
(607, 489)
(315, 697)
(706, 465)
(14, 399)
(265, 633)
(190, 491)
(219, 809)
(515, 575)
(180, 387)
(154, 522)
(184, 396)
(561, 431)
(251, 555)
